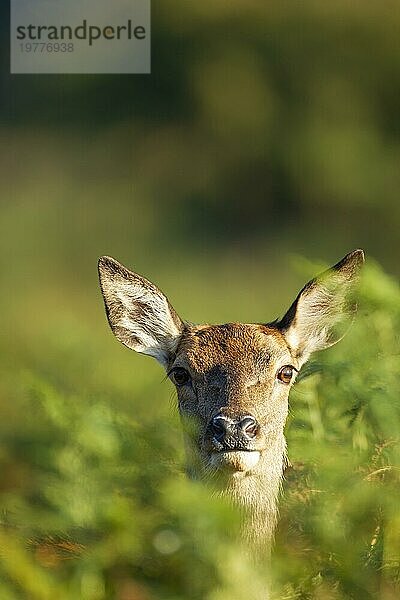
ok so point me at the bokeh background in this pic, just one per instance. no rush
(264, 145)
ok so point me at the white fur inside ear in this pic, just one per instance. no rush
(320, 315)
(139, 313)
(151, 320)
(316, 313)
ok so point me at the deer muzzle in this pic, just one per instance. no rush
(232, 444)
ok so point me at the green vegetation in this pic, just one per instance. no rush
(339, 535)
(94, 504)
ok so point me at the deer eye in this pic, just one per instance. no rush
(285, 374)
(179, 376)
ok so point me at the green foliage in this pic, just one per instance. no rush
(339, 534)
(94, 504)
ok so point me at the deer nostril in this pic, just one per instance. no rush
(249, 427)
(220, 427)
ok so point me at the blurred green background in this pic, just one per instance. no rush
(266, 132)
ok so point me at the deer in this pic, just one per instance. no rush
(233, 380)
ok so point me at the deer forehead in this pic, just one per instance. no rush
(240, 348)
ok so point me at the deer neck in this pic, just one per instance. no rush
(255, 494)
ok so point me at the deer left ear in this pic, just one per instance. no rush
(323, 310)
(139, 314)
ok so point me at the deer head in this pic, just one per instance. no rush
(232, 380)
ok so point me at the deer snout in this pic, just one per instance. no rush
(233, 434)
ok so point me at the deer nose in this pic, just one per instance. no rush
(223, 427)
(249, 426)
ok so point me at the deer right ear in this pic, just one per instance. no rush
(321, 313)
(138, 312)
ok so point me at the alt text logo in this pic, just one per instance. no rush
(86, 36)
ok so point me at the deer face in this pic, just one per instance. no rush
(232, 380)
(233, 383)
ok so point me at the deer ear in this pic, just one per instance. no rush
(323, 310)
(138, 312)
